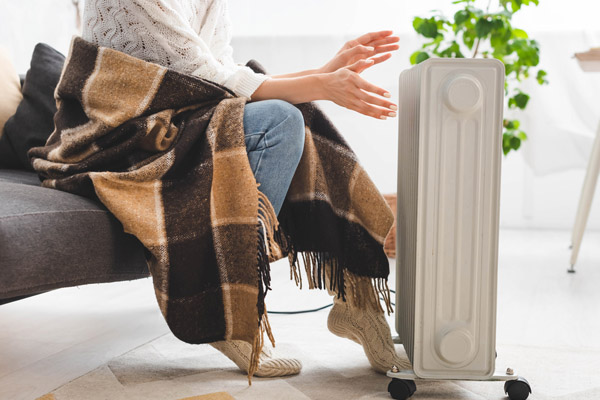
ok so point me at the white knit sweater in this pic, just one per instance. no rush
(189, 36)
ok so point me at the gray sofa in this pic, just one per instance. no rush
(51, 239)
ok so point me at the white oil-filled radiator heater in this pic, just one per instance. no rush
(449, 158)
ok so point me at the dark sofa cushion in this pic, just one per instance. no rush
(51, 239)
(33, 122)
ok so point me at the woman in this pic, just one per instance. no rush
(193, 37)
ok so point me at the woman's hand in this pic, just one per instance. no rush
(339, 80)
(348, 89)
(362, 48)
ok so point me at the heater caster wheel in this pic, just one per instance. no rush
(401, 389)
(518, 389)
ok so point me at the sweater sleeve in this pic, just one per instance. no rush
(243, 79)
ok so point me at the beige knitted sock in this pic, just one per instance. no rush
(365, 326)
(239, 352)
(369, 329)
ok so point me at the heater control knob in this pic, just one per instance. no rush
(463, 94)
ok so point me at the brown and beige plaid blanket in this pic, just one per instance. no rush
(165, 153)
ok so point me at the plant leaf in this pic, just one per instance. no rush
(426, 27)
(422, 56)
(461, 17)
(483, 27)
(541, 77)
(519, 34)
(519, 100)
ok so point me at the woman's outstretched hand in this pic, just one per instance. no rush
(348, 89)
(342, 83)
(339, 80)
(364, 47)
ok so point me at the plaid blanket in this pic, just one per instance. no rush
(165, 153)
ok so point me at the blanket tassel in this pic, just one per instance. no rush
(268, 219)
(362, 292)
(257, 345)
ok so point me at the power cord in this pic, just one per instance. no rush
(300, 311)
(314, 309)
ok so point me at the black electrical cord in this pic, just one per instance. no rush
(300, 311)
(309, 311)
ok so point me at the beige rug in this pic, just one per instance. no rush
(168, 369)
(210, 396)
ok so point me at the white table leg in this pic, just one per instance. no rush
(585, 201)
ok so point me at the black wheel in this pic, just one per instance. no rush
(401, 389)
(517, 389)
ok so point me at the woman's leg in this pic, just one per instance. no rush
(274, 135)
(274, 141)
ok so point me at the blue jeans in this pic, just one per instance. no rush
(274, 135)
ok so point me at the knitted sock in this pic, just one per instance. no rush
(239, 352)
(364, 325)
(369, 329)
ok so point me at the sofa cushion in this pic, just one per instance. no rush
(19, 176)
(10, 98)
(33, 121)
(51, 239)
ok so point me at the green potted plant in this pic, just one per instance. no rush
(475, 32)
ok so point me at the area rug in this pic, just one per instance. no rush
(168, 369)
(210, 396)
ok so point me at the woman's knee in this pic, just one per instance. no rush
(285, 111)
(291, 118)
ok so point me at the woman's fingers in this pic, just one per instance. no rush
(386, 48)
(370, 99)
(360, 52)
(372, 36)
(370, 110)
(381, 42)
(348, 89)
(366, 38)
(361, 65)
(369, 87)
(363, 47)
(380, 59)
(364, 52)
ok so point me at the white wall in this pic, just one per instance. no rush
(24, 23)
(313, 17)
(306, 33)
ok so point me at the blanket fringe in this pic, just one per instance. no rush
(321, 267)
(257, 345)
(266, 213)
(361, 292)
(367, 292)
(268, 219)
(266, 243)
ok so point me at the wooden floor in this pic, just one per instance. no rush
(51, 339)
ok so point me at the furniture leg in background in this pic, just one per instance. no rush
(585, 201)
